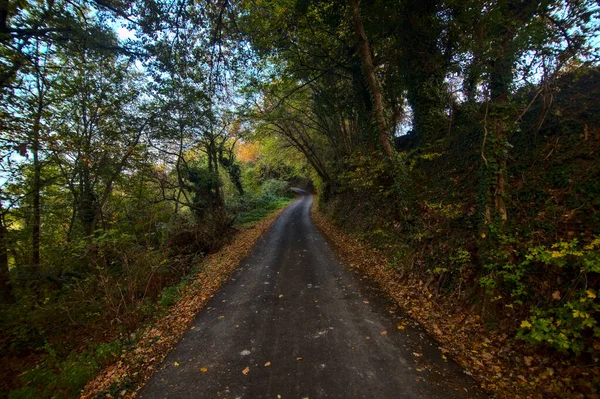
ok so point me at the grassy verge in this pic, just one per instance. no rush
(250, 217)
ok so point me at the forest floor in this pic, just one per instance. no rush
(292, 322)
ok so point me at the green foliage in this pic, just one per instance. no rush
(448, 211)
(169, 296)
(567, 327)
(64, 376)
(368, 173)
(569, 318)
(274, 189)
(133, 278)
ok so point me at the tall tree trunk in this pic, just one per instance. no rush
(6, 292)
(87, 200)
(218, 196)
(35, 260)
(500, 129)
(369, 71)
(501, 116)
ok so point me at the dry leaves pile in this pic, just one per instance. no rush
(135, 367)
(504, 367)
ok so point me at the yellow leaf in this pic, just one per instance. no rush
(246, 370)
(591, 294)
(526, 324)
(176, 364)
(400, 327)
(203, 369)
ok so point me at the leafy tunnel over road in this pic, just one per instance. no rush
(294, 323)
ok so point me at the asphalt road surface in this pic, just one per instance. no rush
(294, 323)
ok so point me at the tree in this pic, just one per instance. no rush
(369, 71)
(97, 128)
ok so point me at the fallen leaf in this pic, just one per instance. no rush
(176, 364)
(299, 358)
(203, 369)
(528, 360)
(267, 364)
(400, 327)
(556, 295)
(246, 370)
(280, 295)
(368, 337)
(417, 354)
(365, 302)
(384, 333)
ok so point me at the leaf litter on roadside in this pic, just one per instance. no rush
(502, 365)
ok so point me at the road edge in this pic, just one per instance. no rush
(359, 257)
(129, 374)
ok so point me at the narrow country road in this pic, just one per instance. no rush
(294, 323)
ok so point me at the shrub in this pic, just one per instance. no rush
(568, 321)
(273, 189)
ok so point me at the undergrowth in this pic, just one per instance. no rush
(75, 332)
